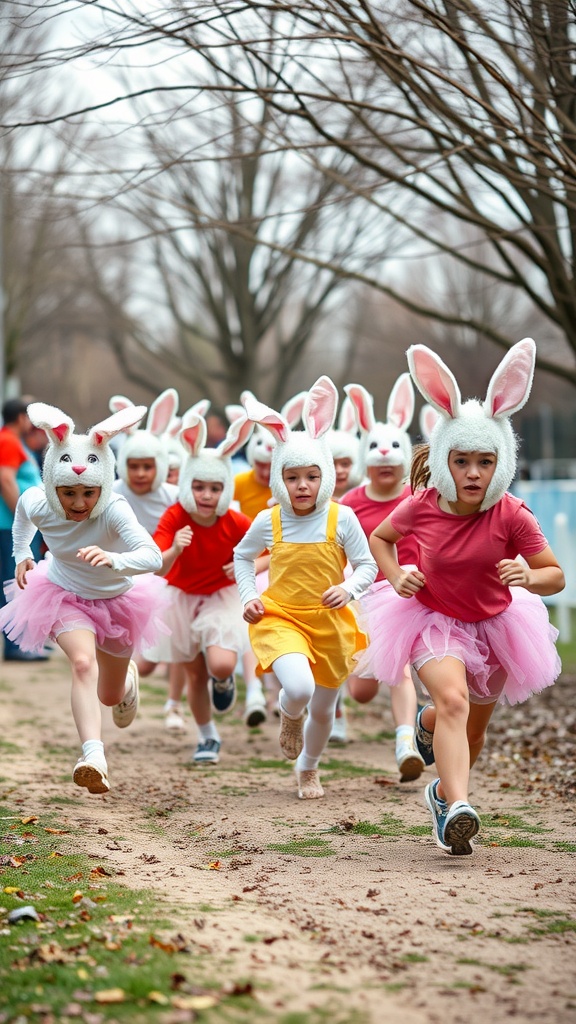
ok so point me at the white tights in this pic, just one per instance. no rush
(298, 691)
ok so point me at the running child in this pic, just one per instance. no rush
(470, 618)
(385, 455)
(301, 626)
(197, 536)
(82, 596)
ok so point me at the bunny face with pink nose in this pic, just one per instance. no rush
(385, 444)
(472, 425)
(86, 459)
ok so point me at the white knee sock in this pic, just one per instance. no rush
(318, 727)
(295, 676)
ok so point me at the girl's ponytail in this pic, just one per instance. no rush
(420, 470)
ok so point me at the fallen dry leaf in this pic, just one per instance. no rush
(110, 995)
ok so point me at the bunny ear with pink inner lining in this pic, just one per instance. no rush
(119, 422)
(193, 433)
(511, 382)
(162, 411)
(259, 413)
(434, 380)
(53, 421)
(237, 435)
(400, 409)
(292, 409)
(320, 407)
(363, 404)
(347, 417)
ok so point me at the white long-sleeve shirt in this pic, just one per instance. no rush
(116, 531)
(310, 529)
(148, 508)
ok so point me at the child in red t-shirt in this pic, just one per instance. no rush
(469, 618)
(197, 537)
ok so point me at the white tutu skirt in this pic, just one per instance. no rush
(508, 657)
(123, 624)
(198, 621)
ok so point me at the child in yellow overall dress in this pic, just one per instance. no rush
(301, 627)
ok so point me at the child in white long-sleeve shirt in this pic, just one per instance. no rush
(81, 596)
(301, 626)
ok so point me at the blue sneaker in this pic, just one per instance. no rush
(207, 752)
(438, 809)
(423, 739)
(453, 825)
(223, 694)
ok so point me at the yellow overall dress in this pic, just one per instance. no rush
(295, 621)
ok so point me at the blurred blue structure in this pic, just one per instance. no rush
(553, 502)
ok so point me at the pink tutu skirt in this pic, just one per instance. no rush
(121, 624)
(508, 657)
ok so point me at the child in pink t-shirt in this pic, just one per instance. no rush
(469, 618)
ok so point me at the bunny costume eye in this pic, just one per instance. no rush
(473, 425)
(73, 459)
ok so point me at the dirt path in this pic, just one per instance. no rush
(343, 904)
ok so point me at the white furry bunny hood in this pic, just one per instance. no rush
(73, 459)
(204, 463)
(384, 444)
(308, 447)
(474, 426)
(150, 443)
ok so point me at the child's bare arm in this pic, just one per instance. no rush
(383, 546)
(182, 539)
(542, 575)
(21, 569)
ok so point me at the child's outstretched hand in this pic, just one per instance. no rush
(94, 556)
(183, 538)
(408, 582)
(336, 597)
(253, 610)
(21, 569)
(228, 570)
(513, 573)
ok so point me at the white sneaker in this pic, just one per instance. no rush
(92, 774)
(410, 763)
(173, 719)
(125, 712)
(255, 711)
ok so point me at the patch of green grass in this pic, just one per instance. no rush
(9, 748)
(259, 763)
(223, 854)
(507, 970)
(309, 847)
(564, 847)
(511, 821)
(92, 936)
(494, 824)
(415, 958)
